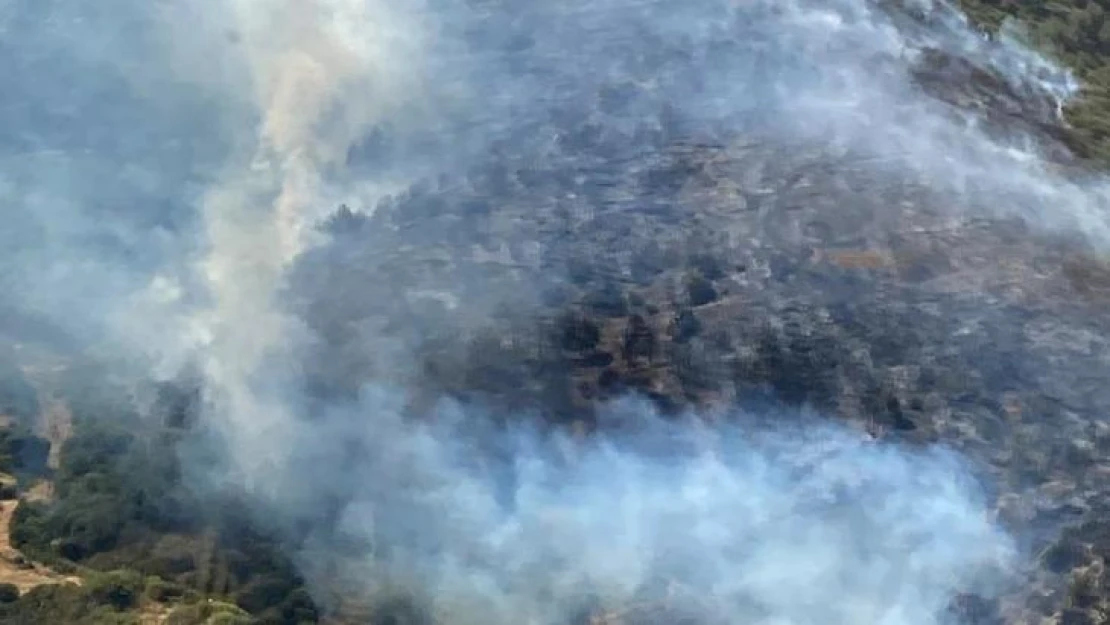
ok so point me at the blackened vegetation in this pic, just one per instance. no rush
(975, 610)
(741, 271)
(695, 273)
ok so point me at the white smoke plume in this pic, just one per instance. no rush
(741, 524)
(319, 75)
(234, 151)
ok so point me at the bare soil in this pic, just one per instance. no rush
(16, 569)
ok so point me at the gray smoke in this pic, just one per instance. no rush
(792, 524)
(165, 167)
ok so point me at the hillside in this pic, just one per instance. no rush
(875, 296)
(1076, 34)
(743, 271)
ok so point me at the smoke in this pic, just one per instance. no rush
(160, 199)
(743, 523)
(215, 124)
(316, 84)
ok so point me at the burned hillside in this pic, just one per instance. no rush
(739, 269)
(614, 312)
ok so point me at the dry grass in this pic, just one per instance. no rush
(154, 614)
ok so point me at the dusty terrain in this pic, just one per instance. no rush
(17, 570)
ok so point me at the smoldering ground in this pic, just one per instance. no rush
(169, 166)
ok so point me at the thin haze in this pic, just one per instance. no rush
(164, 168)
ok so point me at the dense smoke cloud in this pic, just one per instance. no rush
(164, 170)
(186, 108)
(746, 523)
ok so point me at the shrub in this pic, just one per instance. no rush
(229, 619)
(1075, 34)
(607, 300)
(120, 507)
(686, 326)
(700, 290)
(158, 589)
(263, 593)
(578, 333)
(119, 589)
(21, 452)
(208, 612)
(51, 603)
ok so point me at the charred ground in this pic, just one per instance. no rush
(741, 270)
(696, 270)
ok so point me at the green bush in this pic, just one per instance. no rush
(1076, 34)
(229, 619)
(158, 589)
(29, 531)
(61, 604)
(119, 589)
(263, 593)
(121, 507)
(187, 615)
(208, 612)
(8, 593)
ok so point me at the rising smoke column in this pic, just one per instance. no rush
(322, 73)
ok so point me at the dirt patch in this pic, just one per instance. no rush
(42, 490)
(14, 568)
(154, 614)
